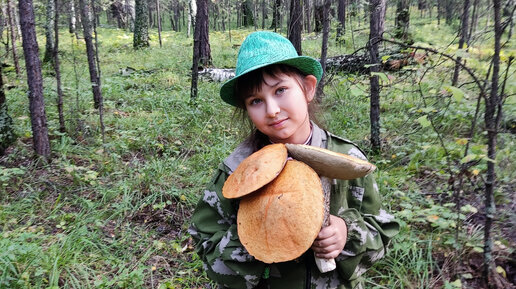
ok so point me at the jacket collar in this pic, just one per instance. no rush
(244, 149)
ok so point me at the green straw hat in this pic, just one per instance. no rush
(264, 48)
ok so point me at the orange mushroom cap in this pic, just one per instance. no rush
(280, 221)
(254, 172)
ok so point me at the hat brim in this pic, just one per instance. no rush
(306, 64)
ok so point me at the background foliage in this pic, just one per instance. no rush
(115, 215)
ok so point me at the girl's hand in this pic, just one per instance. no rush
(331, 239)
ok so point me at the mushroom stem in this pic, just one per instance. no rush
(326, 265)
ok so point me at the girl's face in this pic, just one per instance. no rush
(279, 107)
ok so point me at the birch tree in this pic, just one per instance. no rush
(141, 25)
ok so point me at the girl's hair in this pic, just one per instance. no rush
(250, 83)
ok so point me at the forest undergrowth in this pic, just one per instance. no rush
(115, 214)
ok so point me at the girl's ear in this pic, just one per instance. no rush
(310, 83)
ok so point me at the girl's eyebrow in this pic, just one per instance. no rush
(274, 84)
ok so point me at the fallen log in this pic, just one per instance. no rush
(348, 63)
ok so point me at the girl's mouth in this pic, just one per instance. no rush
(278, 123)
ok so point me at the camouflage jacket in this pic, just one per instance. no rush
(358, 202)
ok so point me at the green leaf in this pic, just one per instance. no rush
(356, 91)
(382, 76)
(385, 57)
(424, 122)
(468, 158)
(456, 92)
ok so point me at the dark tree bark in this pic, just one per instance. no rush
(49, 32)
(202, 26)
(308, 15)
(462, 40)
(492, 103)
(90, 51)
(439, 12)
(377, 8)
(57, 70)
(247, 13)
(159, 22)
(324, 48)
(402, 19)
(276, 16)
(449, 11)
(264, 13)
(141, 25)
(474, 18)
(318, 16)
(295, 25)
(201, 47)
(12, 29)
(6, 122)
(341, 17)
(34, 79)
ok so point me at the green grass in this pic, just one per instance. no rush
(115, 215)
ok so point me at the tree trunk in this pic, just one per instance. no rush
(318, 16)
(34, 79)
(449, 4)
(90, 53)
(341, 17)
(57, 70)
(402, 19)
(72, 21)
(474, 19)
(129, 11)
(247, 13)
(202, 24)
(141, 25)
(6, 122)
(377, 8)
(201, 47)
(49, 32)
(264, 14)
(439, 12)
(159, 23)
(308, 16)
(324, 48)
(492, 103)
(295, 27)
(463, 36)
(276, 15)
(193, 15)
(12, 29)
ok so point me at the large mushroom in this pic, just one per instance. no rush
(284, 203)
(329, 165)
(254, 172)
(280, 221)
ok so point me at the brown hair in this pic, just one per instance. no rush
(250, 83)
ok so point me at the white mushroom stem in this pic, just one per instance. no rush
(326, 265)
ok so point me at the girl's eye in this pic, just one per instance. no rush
(255, 101)
(280, 90)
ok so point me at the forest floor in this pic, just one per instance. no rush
(115, 214)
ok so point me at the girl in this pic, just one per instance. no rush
(275, 88)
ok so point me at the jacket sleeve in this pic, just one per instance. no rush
(214, 230)
(370, 227)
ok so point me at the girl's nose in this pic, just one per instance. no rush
(272, 108)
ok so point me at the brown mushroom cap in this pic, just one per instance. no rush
(280, 221)
(257, 170)
(331, 164)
